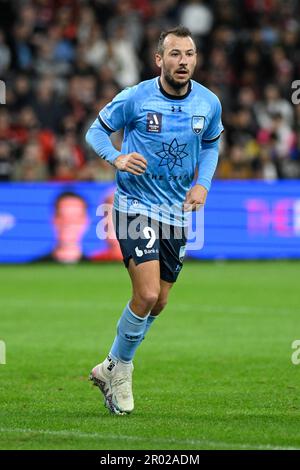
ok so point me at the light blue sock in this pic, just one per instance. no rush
(114, 348)
(150, 320)
(130, 331)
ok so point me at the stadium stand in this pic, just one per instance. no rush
(63, 60)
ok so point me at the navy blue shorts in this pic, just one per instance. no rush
(144, 239)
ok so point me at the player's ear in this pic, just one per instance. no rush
(158, 60)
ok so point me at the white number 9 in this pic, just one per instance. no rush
(149, 233)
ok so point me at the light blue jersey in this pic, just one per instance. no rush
(176, 135)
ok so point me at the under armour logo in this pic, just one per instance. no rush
(177, 109)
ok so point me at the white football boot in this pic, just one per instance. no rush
(121, 386)
(115, 382)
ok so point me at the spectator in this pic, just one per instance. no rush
(31, 166)
(67, 159)
(23, 95)
(96, 48)
(266, 168)
(5, 54)
(22, 46)
(6, 161)
(48, 110)
(122, 58)
(273, 103)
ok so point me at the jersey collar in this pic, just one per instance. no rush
(174, 97)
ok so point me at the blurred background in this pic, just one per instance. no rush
(62, 61)
(233, 325)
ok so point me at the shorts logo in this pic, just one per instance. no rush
(182, 253)
(154, 121)
(198, 124)
(138, 252)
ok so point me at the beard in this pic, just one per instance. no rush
(174, 83)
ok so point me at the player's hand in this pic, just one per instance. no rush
(133, 163)
(195, 198)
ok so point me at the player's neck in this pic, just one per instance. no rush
(173, 92)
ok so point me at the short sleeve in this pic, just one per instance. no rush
(215, 127)
(118, 113)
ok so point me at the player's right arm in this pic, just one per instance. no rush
(116, 115)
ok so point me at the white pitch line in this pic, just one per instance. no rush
(194, 442)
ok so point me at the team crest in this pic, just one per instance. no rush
(198, 124)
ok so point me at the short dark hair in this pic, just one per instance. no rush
(67, 194)
(179, 31)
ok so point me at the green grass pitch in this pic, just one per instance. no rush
(215, 371)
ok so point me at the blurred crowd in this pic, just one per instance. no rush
(63, 60)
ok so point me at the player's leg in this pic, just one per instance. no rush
(151, 283)
(141, 256)
(145, 280)
(116, 371)
(162, 301)
(172, 250)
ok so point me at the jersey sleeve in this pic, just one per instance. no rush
(208, 163)
(215, 127)
(119, 112)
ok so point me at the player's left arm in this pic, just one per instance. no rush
(196, 196)
(208, 160)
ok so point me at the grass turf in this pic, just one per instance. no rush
(215, 371)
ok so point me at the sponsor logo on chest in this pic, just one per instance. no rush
(154, 122)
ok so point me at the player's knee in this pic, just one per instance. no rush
(162, 302)
(149, 297)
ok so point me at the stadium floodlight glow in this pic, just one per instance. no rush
(2, 352)
(2, 92)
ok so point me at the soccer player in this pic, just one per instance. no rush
(172, 127)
